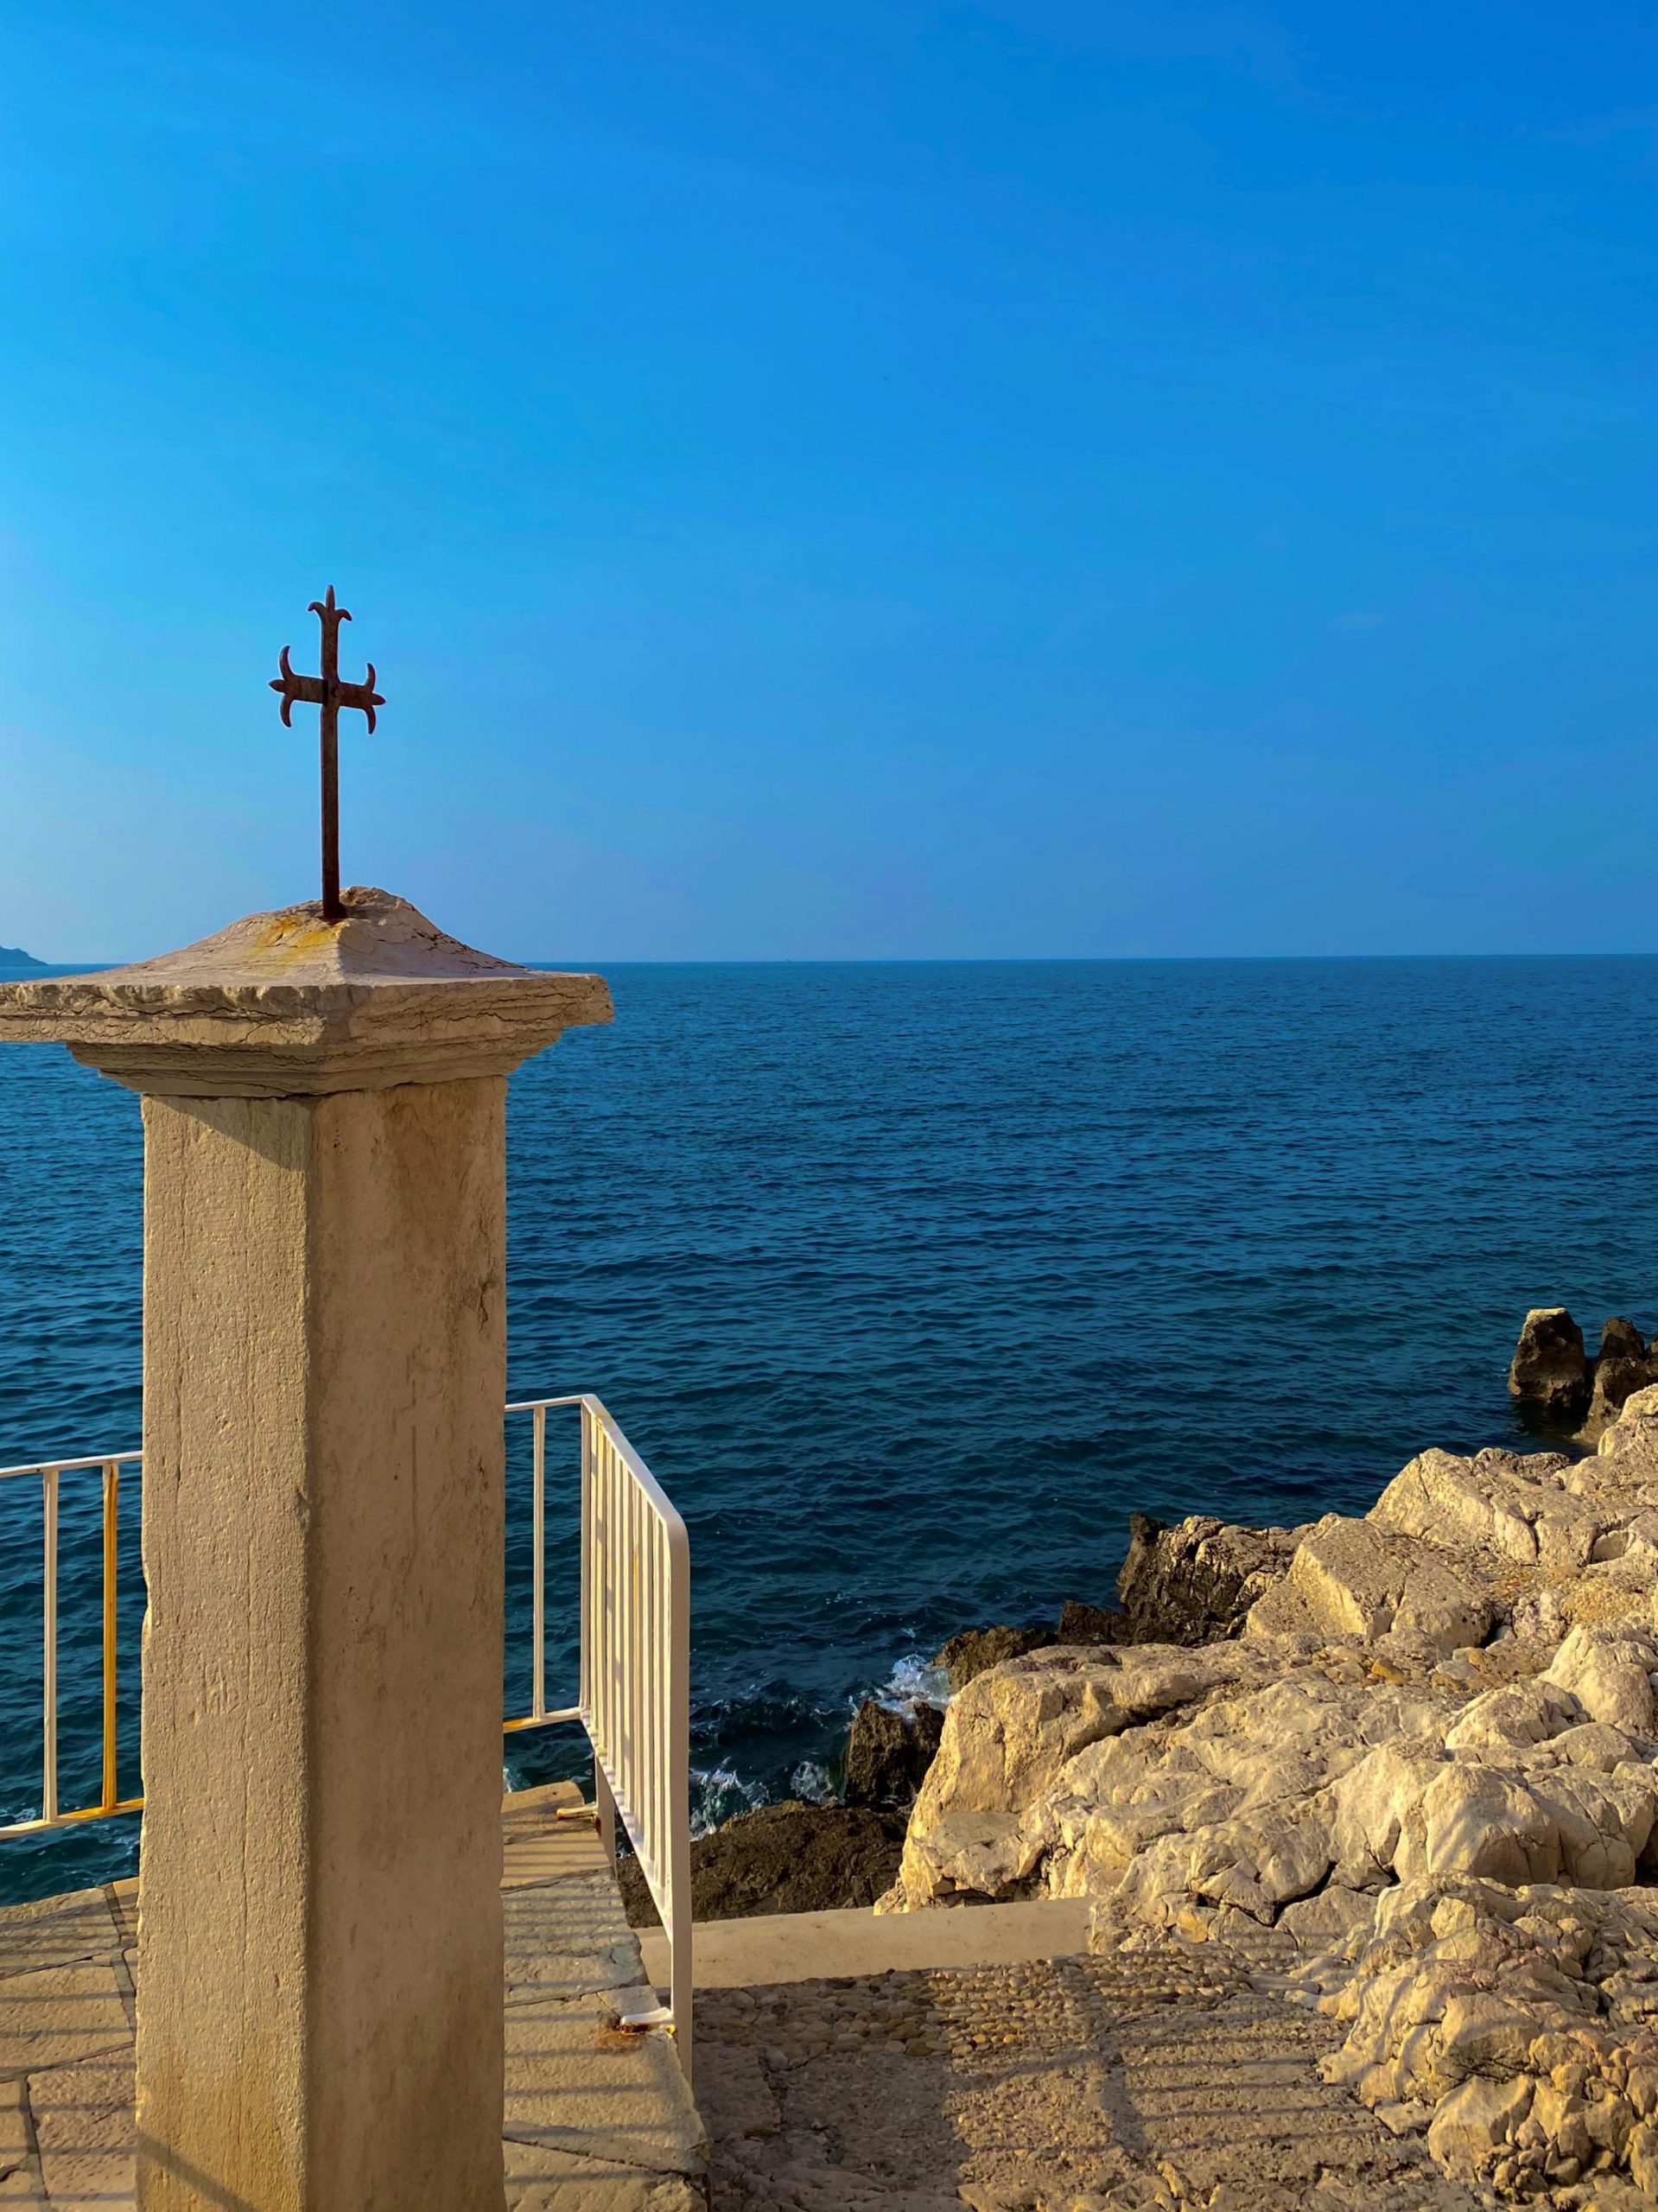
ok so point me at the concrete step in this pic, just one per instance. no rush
(772, 1947)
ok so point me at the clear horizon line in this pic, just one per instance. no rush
(924, 960)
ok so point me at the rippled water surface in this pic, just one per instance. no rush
(910, 1281)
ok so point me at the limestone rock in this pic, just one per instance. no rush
(977, 1854)
(1625, 1365)
(1197, 1581)
(1479, 1822)
(1620, 1339)
(1505, 1505)
(1632, 1439)
(1616, 1381)
(1643, 2154)
(1608, 1673)
(975, 1649)
(1549, 1370)
(1081, 1624)
(888, 1753)
(1473, 2120)
(1357, 1578)
(1420, 1790)
(1011, 1731)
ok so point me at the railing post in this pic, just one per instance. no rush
(112, 1510)
(680, 1936)
(605, 1804)
(49, 1651)
(538, 1633)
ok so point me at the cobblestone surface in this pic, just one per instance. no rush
(1132, 2084)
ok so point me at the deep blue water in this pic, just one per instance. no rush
(910, 1281)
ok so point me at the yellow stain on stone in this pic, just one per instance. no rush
(294, 940)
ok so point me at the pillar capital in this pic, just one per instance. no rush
(288, 1005)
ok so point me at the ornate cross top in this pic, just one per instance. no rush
(327, 692)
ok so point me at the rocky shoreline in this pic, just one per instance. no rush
(1400, 1767)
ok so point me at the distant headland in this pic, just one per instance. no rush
(13, 955)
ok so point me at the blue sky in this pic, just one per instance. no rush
(866, 479)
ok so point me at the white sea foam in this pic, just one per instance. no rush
(810, 1779)
(914, 1681)
(718, 1794)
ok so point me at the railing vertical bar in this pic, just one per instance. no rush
(664, 1671)
(601, 1537)
(49, 1652)
(623, 1748)
(677, 1886)
(658, 1668)
(603, 1603)
(659, 1659)
(584, 1663)
(112, 1512)
(653, 1711)
(539, 1629)
(635, 1661)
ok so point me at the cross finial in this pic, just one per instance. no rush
(327, 692)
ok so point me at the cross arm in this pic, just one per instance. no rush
(361, 695)
(305, 691)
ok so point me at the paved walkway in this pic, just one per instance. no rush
(597, 2117)
(1077, 2084)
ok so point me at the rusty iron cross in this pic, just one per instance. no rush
(327, 692)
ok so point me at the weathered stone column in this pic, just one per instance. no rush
(319, 2001)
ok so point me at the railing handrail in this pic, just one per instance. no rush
(77, 1466)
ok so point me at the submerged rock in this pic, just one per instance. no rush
(888, 1753)
(1549, 1368)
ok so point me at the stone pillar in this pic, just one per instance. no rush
(319, 2000)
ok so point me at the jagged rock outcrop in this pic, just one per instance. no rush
(1625, 1365)
(1195, 1581)
(1419, 1789)
(1550, 1369)
(1081, 1624)
(976, 1648)
(888, 1753)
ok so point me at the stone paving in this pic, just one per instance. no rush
(1107, 2084)
(597, 2117)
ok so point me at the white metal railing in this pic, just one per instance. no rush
(633, 1698)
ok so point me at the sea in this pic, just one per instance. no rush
(911, 1282)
